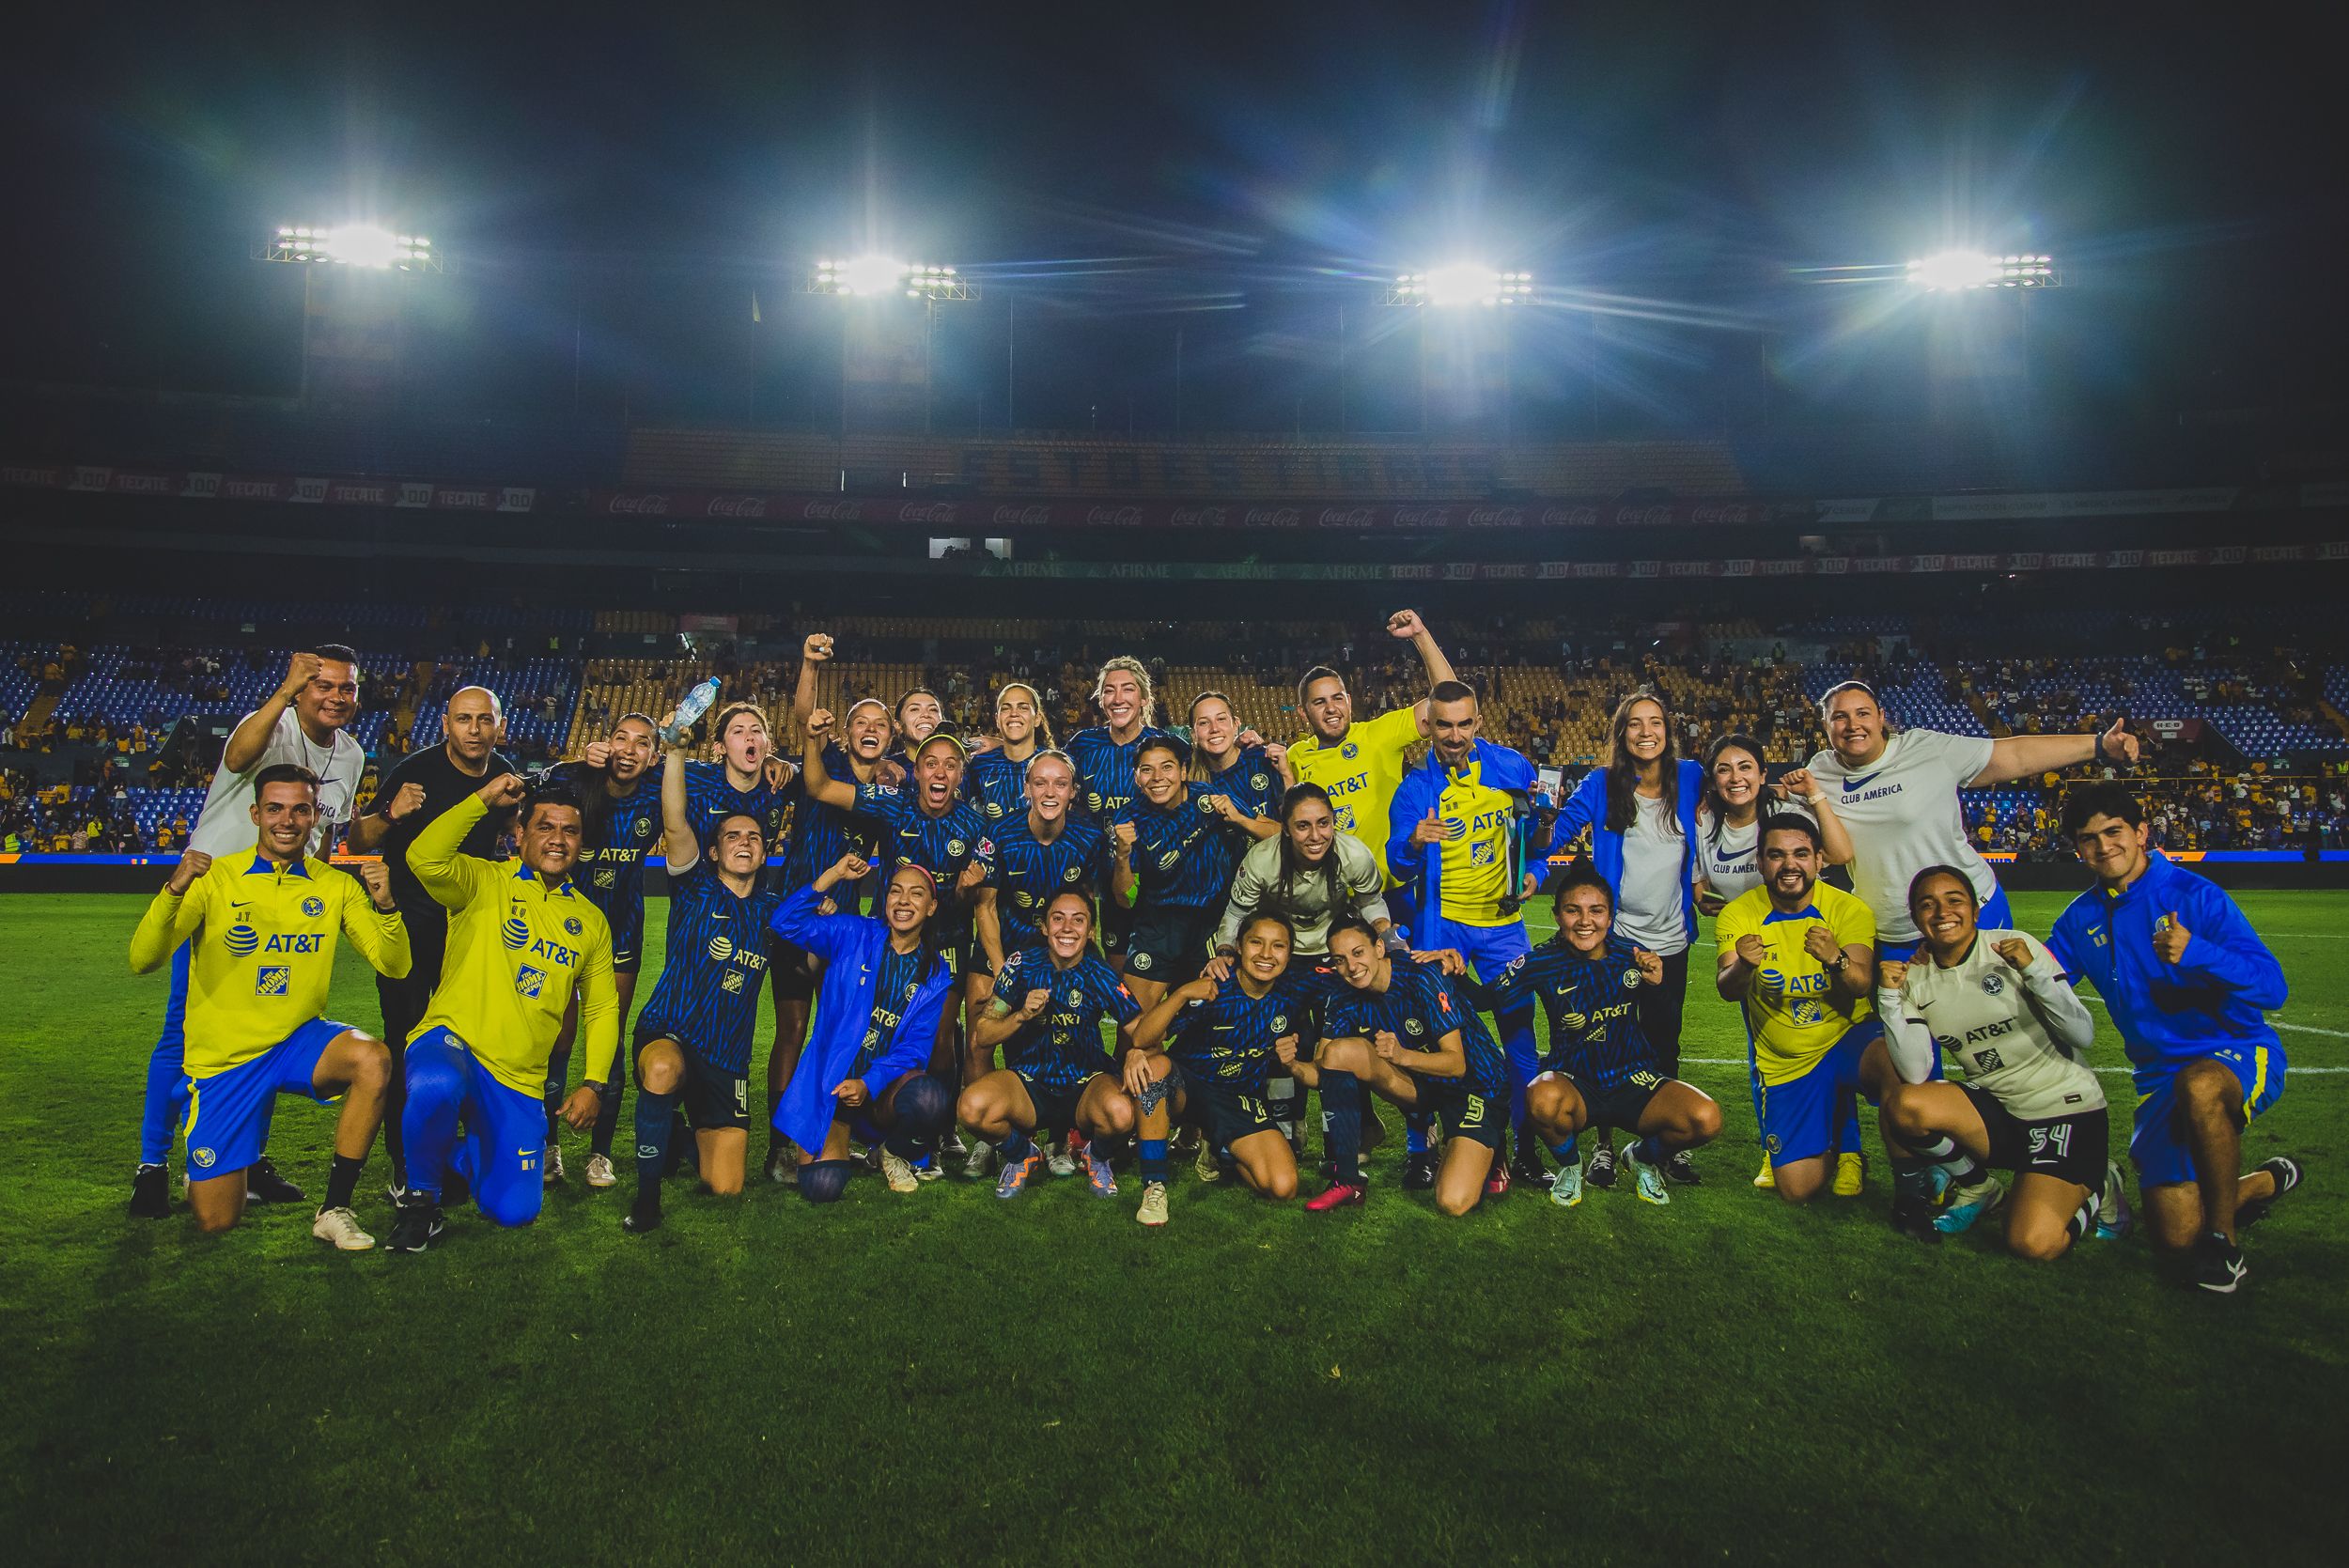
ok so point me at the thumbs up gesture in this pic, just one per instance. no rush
(2169, 941)
(1430, 831)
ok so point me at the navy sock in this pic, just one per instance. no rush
(656, 1122)
(1015, 1146)
(1342, 1125)
(1564, 1153)
(343, 1181)
(1416, 1125)
(1152, 1158)
(1652, 1151)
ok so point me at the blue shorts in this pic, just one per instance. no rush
(1799, 1117)
(1997, 915)
(2160, 1155)
(1488, 949)
(504, 1142)
(228, 1126)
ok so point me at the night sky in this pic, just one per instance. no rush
(611, 187)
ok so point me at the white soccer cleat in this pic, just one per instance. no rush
(981, 1162)
(553, 1167)
(1153, 1210)
(1061, 1162)
(600, 1172)
(1648, 1179)
(898, 1171)
(340, 1229)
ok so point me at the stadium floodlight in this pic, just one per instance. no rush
(1953, 271)
(874, 277)
(1461, 283)
(369, 246)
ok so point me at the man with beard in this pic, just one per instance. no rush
(1362, 765)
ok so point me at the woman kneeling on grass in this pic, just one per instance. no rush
(1402, 1031)
(861, 1074)
(1996, 1002)
(1214, 1073)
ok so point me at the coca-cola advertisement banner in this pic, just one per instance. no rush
(190, 484)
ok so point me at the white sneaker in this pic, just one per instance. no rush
(1062, 1162)
(898, 1171)
(600, 1172)
(553, 1167)
(982, 1160)
(1153, 1210)
(341, 1228)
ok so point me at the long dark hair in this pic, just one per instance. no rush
(1623, 771)
(1293, 869)
(1710, 800)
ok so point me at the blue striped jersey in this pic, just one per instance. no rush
(1229, 1041)
(997, 785)
(821, 834)
(1177, 855)
(1592, 1005)
(900, 977)
(706, 998)
(941, 845)
(1062, 1047)
(1418, 1007)
(621, 832)
(1026, 874)
(709, 800)
(1105, 769)
(1253, 785)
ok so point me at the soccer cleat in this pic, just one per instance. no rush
(1768, 1179)
(551, 1173)
(641, 1216)
(1648, 1179)
(341, 1228)
(929, 1168)
(1153, 1210)
(2113, 1218)
(1913, 1216)
(1098, 1171)
(263, 1185)
(1851, 1174)
(1204, 1167)
(1017, 1173)
(1339, 1195)
(1679, 1167)
(781, 1167)
(1968, 1205)
(1527, 1169)
(1600, 1170)
(2218, 1266)
(1496, 1178)
(600, 1172)
(1565, 1188)
(1419, 1171)
(150, 1193)
(898, 1171)
(982, 1160)
(2288, 1176)
(416, 1226)
(1062, 1159)
(951, 1144)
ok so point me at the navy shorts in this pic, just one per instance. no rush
(1222, 1113)
(1618, 1105)
(227, 1126)
(1466, 1110)
(1055, 1102)
(1170, 945)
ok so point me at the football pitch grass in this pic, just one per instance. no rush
(946, 1378)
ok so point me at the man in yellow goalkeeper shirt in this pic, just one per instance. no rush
(521, 938)
(261, 928)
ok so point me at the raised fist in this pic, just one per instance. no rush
(192, 865)
(1123, 833)
(818, 648)
(1751, 950)
(299, 671)
(819, 724)
(1388, 1048)
(406, 803)
(504, 790)
(1893, 973)
(598, 754)
(1651, 965)
(1404, 623)
(1821, 944)
(2015, 951)
(375, 877)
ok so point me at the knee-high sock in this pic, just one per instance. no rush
(1525, 1061)
(1342, 1125)
(1286, 1102)
(1941, 1149)
(656, 1123)
(1418, 1130)
(166, 1106)
(437, 1073)
(558, 1075)
(923, 1106)
(608, 1114)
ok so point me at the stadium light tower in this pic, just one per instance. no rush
(1954, 272)
(360, 247)
(876, 277)
(1461, 283)
(877, 341)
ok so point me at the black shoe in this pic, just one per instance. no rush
(1374, 1130)
(2218, 1266)
(643, 1215)
(1419, 1171)
(263, 1185)
(2288, 1176)
(1912, 1206)
(416, 1226)
(456, 1191)
(1599, 1171)
(1526, 1167)
(150, 1193)
(1679, 1168)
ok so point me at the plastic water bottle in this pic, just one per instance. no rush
(697, 702)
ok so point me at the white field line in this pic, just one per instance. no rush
(2294, 1028)
(2295, 1071)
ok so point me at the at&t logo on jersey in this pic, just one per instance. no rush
(515, 931)
(294, 941)
(271, 979)
(240, 940)
(720, 948)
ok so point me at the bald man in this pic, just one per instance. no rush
(424, 785)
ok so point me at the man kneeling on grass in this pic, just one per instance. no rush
(264, 934)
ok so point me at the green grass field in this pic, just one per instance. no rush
(948, 1377)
